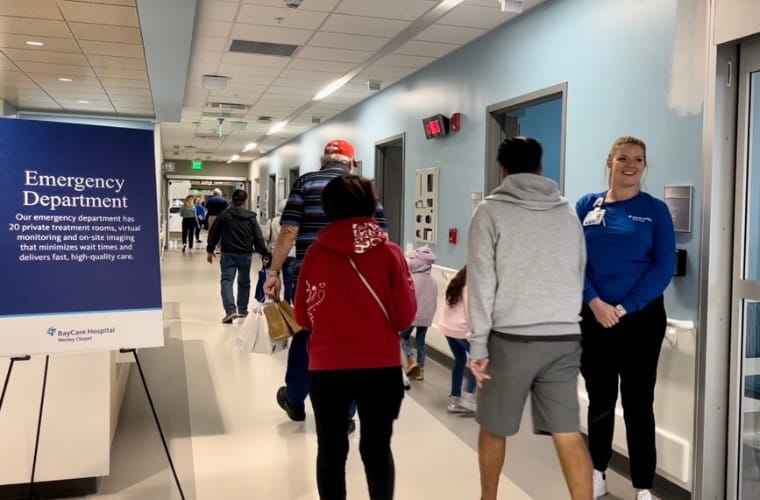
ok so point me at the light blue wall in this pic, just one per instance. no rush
(616, 57)
(544, 122)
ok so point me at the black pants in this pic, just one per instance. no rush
(626, 353)
(378, 393)
(188, 227)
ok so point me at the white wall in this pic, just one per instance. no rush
(736, 19)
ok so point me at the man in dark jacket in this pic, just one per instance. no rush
(239, 233)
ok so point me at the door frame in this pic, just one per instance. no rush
(495, 135)
(380, 171)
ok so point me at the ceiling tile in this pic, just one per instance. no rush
(112, 49)
(124, 83)
(429, 49)
(130, 74)
(16, 80)
(474, 16)
(38, 9)
(217, 11)
(340, 55)
(243, 70)
(37, 103)
(218, 29)
(46, 57)
(271, 34)
(319, 5)
(255, 60)
(100, 61)
(60, 70)
(408, 10)
(289, 18)
(206, 55)
(339, 23)
(99, 13)
(383, 72)
(28, 26)
(309, 76)
(450, 34)
(312, 65)
(218, 44)
(118, 91)
(344, 41)
(6, 64)
(100, 33)
(116, 2)
(11, 41)
(405, 61)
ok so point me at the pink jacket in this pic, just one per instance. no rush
(454, 321)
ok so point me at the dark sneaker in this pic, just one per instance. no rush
(351, 426)
(296, 413)
(228, 317)
(242, 314)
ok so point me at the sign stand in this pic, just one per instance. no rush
(42, 406)
(155, 417)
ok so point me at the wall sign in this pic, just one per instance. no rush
(78, 238)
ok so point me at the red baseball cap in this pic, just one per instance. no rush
(340, 149)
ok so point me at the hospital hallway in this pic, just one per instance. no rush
(230, 440)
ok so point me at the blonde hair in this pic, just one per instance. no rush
(189, 199)
(623, 141)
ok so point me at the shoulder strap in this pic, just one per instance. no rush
(366, 283)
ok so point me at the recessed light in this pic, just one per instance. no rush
(235, 157)
(249, 147)
(34, 43)
(65, 80)
(83, 102)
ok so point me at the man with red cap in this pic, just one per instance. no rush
(301, 220)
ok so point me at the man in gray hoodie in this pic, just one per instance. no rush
(525, 269)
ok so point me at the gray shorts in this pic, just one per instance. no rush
(548, 370)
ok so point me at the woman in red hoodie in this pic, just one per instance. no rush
(354, 293)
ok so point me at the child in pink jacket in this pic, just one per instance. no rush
(454, 323)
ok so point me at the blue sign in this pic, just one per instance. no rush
(79, 238)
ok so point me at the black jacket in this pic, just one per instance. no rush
(238, 232)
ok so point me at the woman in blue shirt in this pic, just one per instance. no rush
(631, 256)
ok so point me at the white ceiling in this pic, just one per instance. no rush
(98, 44)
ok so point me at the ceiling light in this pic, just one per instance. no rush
(331, 88)
(276, 127)
(83, 102)
(511, 5)
(451, 3)
(65, 80)
(34, 43)
(249, 147)
(216, 82)
(235, 157)
(229, 161)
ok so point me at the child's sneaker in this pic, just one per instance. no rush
(643, 495)
(420, 375)
(600, 484)
(412, 369)
(454, 405)
(468, 402)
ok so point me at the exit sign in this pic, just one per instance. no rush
(197, 165)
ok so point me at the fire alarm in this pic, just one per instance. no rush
(456, 120)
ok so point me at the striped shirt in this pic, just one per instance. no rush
(304, 206)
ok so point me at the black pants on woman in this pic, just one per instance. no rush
(378, 393)
(188, 228)
(626, 353)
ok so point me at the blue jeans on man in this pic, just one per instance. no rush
(231, 264)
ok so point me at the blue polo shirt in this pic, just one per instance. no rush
(304, 206)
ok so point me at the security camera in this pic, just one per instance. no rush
(293, 4)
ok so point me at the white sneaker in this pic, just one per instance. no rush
(468, 402)
(643, 495)
(600, 484)
(455, 406)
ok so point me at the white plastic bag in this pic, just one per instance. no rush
(263, 343)
(246, 334)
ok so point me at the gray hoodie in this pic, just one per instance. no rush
(526, 257)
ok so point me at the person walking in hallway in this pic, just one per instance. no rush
(525, 265)
(631, 256)
(421, 263)
(189, 222)
(215, 205)
(354, 295)
(300, 222)
(239, 233)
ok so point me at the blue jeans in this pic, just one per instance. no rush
(460, 348)
(289, 278)
(406, 336)
(232, 263)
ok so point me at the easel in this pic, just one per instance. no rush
(30, 493)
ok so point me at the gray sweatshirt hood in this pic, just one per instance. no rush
(530, 191)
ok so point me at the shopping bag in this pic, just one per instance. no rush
(245, 337)
(280, 320)
(264, 344)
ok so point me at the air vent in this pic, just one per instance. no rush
(228, 106)
(316, 119)
(264, 119)
(263, 48)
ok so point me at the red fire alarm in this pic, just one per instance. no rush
(456, 121)
(453, 236)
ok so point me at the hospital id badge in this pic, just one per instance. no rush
(594, 217)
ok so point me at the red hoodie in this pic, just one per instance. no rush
(348, 328)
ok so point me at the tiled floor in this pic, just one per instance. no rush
(229, 440)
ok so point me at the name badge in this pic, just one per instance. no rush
(594, 217)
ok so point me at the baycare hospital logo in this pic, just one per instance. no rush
(51, 331)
